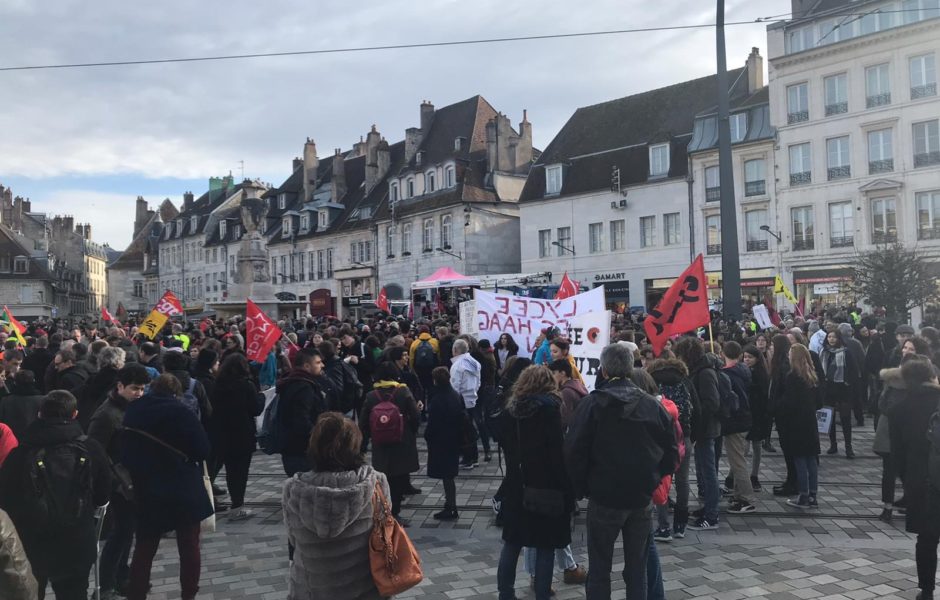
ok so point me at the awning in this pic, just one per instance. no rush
(822, 276)
(445, 277)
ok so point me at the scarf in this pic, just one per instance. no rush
(834, 367)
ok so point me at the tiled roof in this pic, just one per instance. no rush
(10, 245)
(133, 256)
(757, 106)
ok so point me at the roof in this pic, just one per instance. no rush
(133, 256)
(10, 245)
(757, 108)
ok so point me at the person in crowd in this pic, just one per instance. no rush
(106, 427)
(232, 430)
(560, 349)
(8, 442)
(620, 445)
(842, 382)
(893, 390)
(446, 416)
(909, 420)
(328, 513)
(530, 433)
(21, 407)
(68, 376)
(779, 370)
(572, 390)
(163, 449)
(302, 401)
(149, 356)
(486, 396)
(16, 576)
(465, 378)
(359, 357)
(704, 379)
(761, 422)
(902, 333)
(796, 417)
(95, 391)
(429, 359)
(56, 524)
(504, 348)
(735, 427)
(856, 353)
(341, 379)
(176, 363)
(397, 459)
(543, 353)
(12, 359)
(39, 359)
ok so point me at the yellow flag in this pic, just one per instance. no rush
(153, 324)
(780, 288)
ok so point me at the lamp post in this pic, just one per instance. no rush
(776, 236)
(565, 248)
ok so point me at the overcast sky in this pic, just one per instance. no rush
(87, 141)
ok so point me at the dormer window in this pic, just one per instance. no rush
(20, 264)
(553, 179)
(365, 212)
(193, 223)
(222, 229)
(419, 157)
(286, 227)
(179, 227)
(410, 187)
(281, 201)
(459, 141)
(393, 191)
(429, 182)
(238, 232)
(659, 160)
(738, 124)
(450, 176)
(305, 221)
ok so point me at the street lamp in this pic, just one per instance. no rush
(458, 256)
(565, 248)
(775, 235)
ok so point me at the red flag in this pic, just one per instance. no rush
(683, 307)
(566, 288)
(261, 333)
(801, 306)
(382, 301)
(106, 316)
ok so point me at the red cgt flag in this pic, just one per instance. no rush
(567, 288)
(107, 317)
(683, 307)
(382, 301)
(261, 333)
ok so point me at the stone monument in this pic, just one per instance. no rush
(252, 279)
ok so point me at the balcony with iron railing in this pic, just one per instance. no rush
(797, 117)
(923, 91)
(927, 159)
(803, 243)
(929, 233)
(756, 245)
(841, 241)
(801, 178)
(837, 108)
(841, 172)
(880, 166)
(712, 194)
(713, 249)
(755, 188)
(878, 100)
(884, 237)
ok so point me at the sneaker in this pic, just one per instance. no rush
(576, 575)
(812, 501)
(703, 524)
(755, 484)
(468, 466)
(413, 491)
(107, 595)
(698, 513)
(448, 514)
(487, 457)
(849, 453)
(551, 590)
(886, 515)
(662, 535)
(403, 521)
(802, 502)
(725, 491)
(740, 507)
(832, 450)
(782, 490)
(767, 446)
(219, 491)
(240, 514)
(678, 532)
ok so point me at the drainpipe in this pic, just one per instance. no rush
(689, 183)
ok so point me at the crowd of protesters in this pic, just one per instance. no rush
(140, 425)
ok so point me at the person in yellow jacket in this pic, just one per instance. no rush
(560, 349)
(424, 335)
(423, 371)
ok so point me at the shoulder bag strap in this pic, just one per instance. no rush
(159, 441)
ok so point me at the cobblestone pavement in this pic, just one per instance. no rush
(841, 552)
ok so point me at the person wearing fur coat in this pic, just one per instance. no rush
(328, 515)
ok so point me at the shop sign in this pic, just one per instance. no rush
(824, 289)
(609, 276)
(616, 290)
(286, 296)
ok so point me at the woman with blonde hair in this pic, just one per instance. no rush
(797, 414)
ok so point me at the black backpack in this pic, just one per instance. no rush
(933, 459)
(681, 396)
(425, 357)
(59, 486)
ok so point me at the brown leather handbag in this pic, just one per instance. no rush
(393, 559)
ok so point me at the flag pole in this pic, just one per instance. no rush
(711, 337)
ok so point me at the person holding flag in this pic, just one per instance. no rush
(15, 327)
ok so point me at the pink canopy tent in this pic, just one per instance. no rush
(445, 277)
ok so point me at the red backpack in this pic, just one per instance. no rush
(386, 423)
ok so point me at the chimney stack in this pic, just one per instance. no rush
(373, 173)
(358, 149)
(141, 216)
(88, 231)
(80, 230)
(188, 200)
(297, 163)
(310, 162)
(427, 115)
(755, 71)
(412, 141)
(339, 177)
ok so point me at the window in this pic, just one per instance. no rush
(801, 170)
(222, 230)
(617, 235)
(390, 241)
(564, 241)
(304, 221)
(756, 239)
(803, 228)
(671, 235)
(837, 96)
(193, 224)
(755, 183)
(450, 176)
(427, 236)
(406, 239)
(139, 289)
(545, 243)
(797, 103)
(365, 251)
(738, 124)
(712, 184)
(329, 263)
(647, 232)
(800, 39)
(283, 271)
(884, 222)
(877, 86)
(238, 236)
(231, 264)
(918, 10)
(926, 144)
(837, 155)
(923, 76)
(596, 237)
(553, 179)
(200, 285)
(321, 270)
(659, 160)
(841, 225)
(713, 234)
(429, 182)
(880, 151)
(410, 187)
(281, 201)
(302, 270)
(928, 215)
(393, 191)
(447, 229)
(285, 226)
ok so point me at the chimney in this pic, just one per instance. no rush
(755, 71)
(27, 206)
(339, 177)
(298, 163)
(384, 161)
(68, 223)
(524, 147)
(358, 149)
(80, 230)
(88, 231)
(188, 200)
(412, 141)
(372, 159)
(17, 213)
(427, 115)
(310, 162)
(491, 146)
(141, 216)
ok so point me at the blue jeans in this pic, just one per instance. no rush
(807, 475)
(506, 572)
(604, 526)
(564, 559)
(707, 476)
(654, 574)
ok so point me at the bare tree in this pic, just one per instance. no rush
(896, 278)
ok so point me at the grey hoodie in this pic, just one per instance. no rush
(465, 377)
(329, 519)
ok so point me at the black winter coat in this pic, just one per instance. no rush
(20, 408)
(400, 458)
(107, 428)
(538, 444)
(761, 421)
(70, 379)
(169, 488)
(302, 401)
(95, 391)
(446, 414)
(202, 398)
(796, 417)
(37, 361)
(232, 428)
(53, 554)
(742, 421)
(910, 449)
(705, 379)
